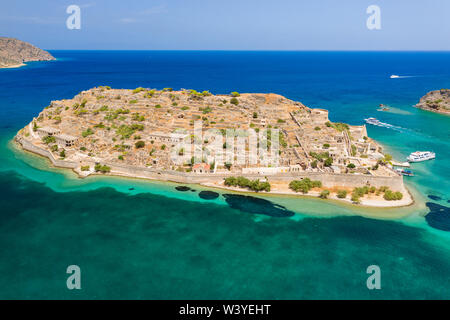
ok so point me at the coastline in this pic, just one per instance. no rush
(446, 113)
(407, 200)
(13, 66)
(377, 208)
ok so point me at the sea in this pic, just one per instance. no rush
(138, 239)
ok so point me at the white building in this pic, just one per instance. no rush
(64, 140)
(47, 131)
(167, 137)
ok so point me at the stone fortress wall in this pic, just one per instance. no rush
(328, 179)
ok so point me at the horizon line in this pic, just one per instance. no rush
(252, 50)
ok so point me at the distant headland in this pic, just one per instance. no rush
(249, 142)
(436, 101)
(14, 52)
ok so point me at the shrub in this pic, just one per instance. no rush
(242, 182)
(133, 101)
(255, 115)
(102, 169)
(49, 139)
(304, 185)
(137, 90)
(328, 162)
(326, 146)
(62, 154)
(314, 164)
(85, 168)
(324, 194)
(138, 117)
(235, 94)
(392, 196)
(234, 101)
(341, 194)
(355, 199)
(351, 166)
(140, 144)
(317, 128)
(86, 133)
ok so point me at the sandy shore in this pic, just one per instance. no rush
(370, 200)
(14, 66)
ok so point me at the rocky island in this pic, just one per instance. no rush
(14, 52)
(222, 140)
(436, 101)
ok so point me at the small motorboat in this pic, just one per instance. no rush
(405, 172)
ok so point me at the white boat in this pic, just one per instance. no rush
(419, 156)
(373, 121)
(394, 76)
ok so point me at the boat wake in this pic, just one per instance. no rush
(378, 123)
(395, 76)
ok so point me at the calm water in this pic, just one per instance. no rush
(134, 239)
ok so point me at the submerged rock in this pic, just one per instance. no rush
(438, 217)
(208, 195)
(182, 188)
(435, 198)
(257, 206)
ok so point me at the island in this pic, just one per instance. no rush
(220, 141)
(14, 52)
(436, 101)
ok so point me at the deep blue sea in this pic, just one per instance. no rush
(146, 240)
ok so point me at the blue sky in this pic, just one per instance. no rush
(230, 24)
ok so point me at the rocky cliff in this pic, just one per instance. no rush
(436, 101)
(14, 52)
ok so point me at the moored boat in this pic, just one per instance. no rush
(419, 156)
(405, 172)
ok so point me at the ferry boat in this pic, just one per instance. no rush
(419, 156)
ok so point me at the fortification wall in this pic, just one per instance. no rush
(328, 179)
(28, 146)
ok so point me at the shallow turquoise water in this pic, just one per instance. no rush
(156, 242)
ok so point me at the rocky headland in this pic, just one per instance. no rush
(436, 101)
(14, 52)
